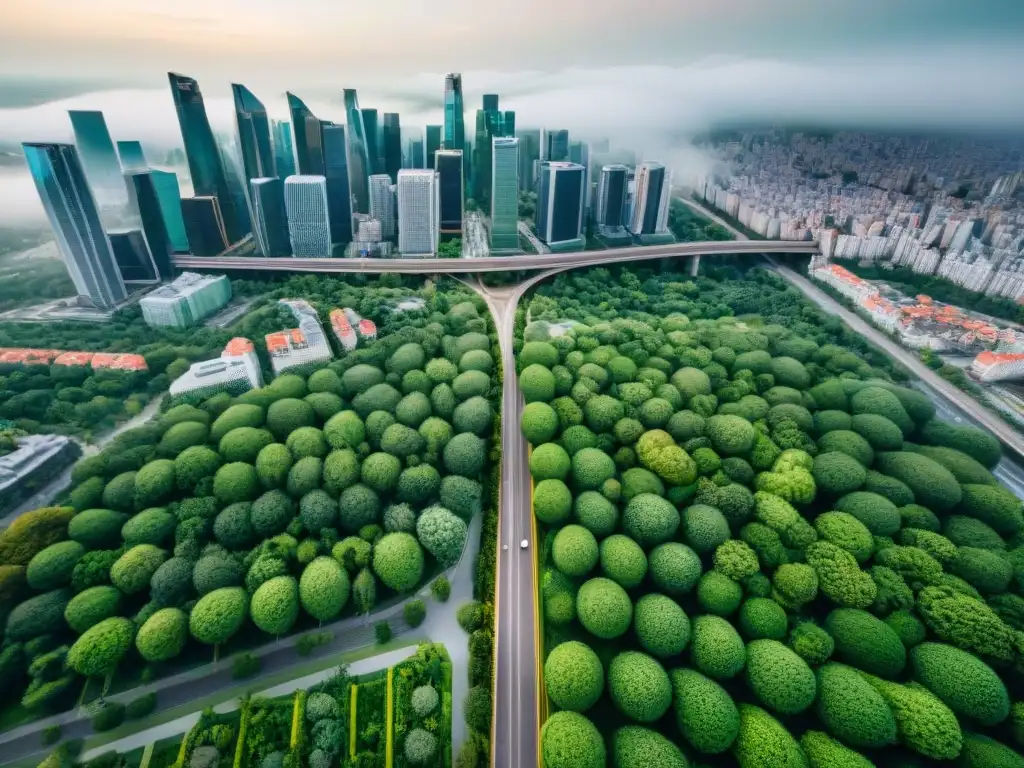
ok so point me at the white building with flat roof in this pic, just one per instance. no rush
(419, 212)
(186, 300)
(237, 370)
(309, 224)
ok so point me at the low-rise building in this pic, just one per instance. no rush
(237, 370)
(186, 300)
(37, 459)
(305, 346)
(114, 361)
(994, 366)
(343, 330)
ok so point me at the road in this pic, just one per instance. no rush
(525, 231)
(496, 263)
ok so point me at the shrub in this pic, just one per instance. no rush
(151, 526)
(762, 741)
(880, 432)
(846, 531)
(573, 676)
(761, 618)
(650, 519)
(590, 468)
(852, 709)
(246, 665)
(932, 484)
(980, 751)
(52, 567)
(379, 397)
(994, 506)
(847, 442)
(674, 568)
(236, 482)
(592, 510)
(275, 605)
(839, 577)
(967, 439)
(730, 435)
(823, 750)
(307, 441)
(119, 493)
(705, 714)
(420, 746)
(811, 643)
(705, 528)
(604, 608)
(398, 561)
(171, 583)
(163, 635)
(966, 623)
(215, 571)
(179, 437)
(413, 409)
(98, 650)
(779, 678)
(539, 423)
(570, 740)
(966, 684)
(639, 686)
(879, 515)
(345, 430)
(537, 383)
(983, 569)
(108, 717)
(574, 551)
(634, 746)
(271, 513)
(360, 378)
(380, 471)
(92, 606)
(465, 454)
(836, 474)
(217, 616)
(241, 415)
(968, 532)
(661, 626)
(442, 534)
(735, 559)
(923, 722)
(637, 480)
(622, 560)
(866, 642)
(134, 569)
(95, 528)
(716, 648)
(552, 501)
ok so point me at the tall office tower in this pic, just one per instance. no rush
(169, 193)
(339, 194)
(650, 201)
(73, 214)
(382, 203)
(204, 161)
(610, 210)
(96, 151)
(359, 164)
(284, 154)
(392, 133)
(579, 153)
(491, 102)
(131, 155)
(560, 203)
(269, 218)
(132, 255)
(235, 176)
(309, 223)
(415, 153)
(418, 212)
(146, 204)
(454, 113)
(529, 153)
(309, 155)
(435, 134)
(371, 124)
(204, 225)
(508, 123)
(253, 134)
(556, 146)
(448, 164)
(489, 126)
(601, 145)
(505, 193)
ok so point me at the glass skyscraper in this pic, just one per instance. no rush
(560, 204)
(556, 146)
(651, 199)
(359, 164)
(132, 255)
(204, 225)
(204, 161)
(448, 164)
(454, 113)
(146, 205)
(235, 176)
(308, 142)
(96, 150)
(392, 135)
(169, 194)
(253, 134)
(371, 124)
(435, 135)
(339, 195)
(416, 153)
(75, 219)
(610, 210)
(418, 212)
(269, 218)
(505, 193)
(382, 204)
(529, 155)
(309, 226)
(132, 156)
(490, 124)
(284, 156)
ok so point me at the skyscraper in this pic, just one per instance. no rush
(269, 218)
(371, 124)
(434, 143)
(253, 134)
(96, 150)
(579, 153)
(490, 124)
(508, 127)
(418, 212)
(505, 193)
(339, 195)
(204, 225)
(146, 205)
(560, 204)
(132, 255)
(204, 162)
(309, 225)
(306, 129)
(448, 164)
(382, 203)
(392, 133)
(490, 102)
(454, 113)
(529, 154)
(74, 217)
(169, 194)
(556, 146)
(359, 164)
(131, 155)
(284, 154)
(650, 202)
(234, 174)
(415, 153)
(611, 197)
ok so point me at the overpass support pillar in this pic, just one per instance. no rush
(694, 265)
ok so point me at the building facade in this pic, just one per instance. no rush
(309, 224)
(560, 204)
(505, 194)
(434, 142)
(415, 154)
(186, 300)
(237, 370)
(306, 132)
(360, 166)
(610, 209)
(454, 113)
(382, 203)
(269, 217)
(284, 153)
(303, 347)
(529, 156)
(651, 199)
(96, 150)
(75, 219)
(131, 155)
(146, 205)
(253, 134)
(391, 133)
(418, 212)
(451, 185)
(556, 146)
(204, 225)
(132, 255)
(339, 195)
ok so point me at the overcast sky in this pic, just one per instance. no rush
(633, 70)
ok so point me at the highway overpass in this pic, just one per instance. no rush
(497, 263)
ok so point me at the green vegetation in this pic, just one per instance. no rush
(747, 519)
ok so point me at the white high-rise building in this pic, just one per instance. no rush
(309, 224)
(504, 193)
(382, 203)
(650, 203)
(419, 212)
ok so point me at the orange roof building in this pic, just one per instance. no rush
(120, 361)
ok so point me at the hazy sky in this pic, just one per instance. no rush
(633, 70)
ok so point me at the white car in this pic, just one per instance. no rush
(524, 544)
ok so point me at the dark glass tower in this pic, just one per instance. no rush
(234, 174)
(359, 164)
(253, 134)
(529, 154)
(611, 197)
(270, 221)
(416, 153)
(556, 146)
(392, 133)
(284, 156)
(560, 202)
(508, 123)
(308, 147)
(454, 113)
(434, 142)
(371, 125)
(490, 125)
(147, 205)
(204, 161)
(448, 164)
(132, 255)
(96, 150)
(339, 195)
(490, 102)
(75, 219)
(204, 225)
